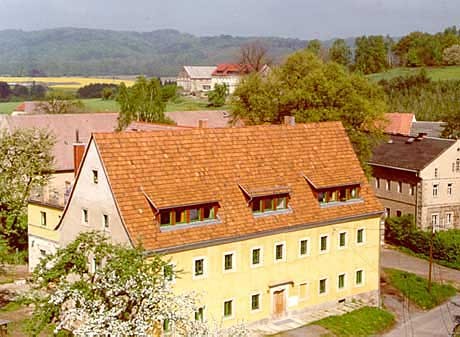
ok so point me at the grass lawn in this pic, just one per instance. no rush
(8, 107)
(435, 73)
(100, 105)
(363, 322)
(191, 104)
(415, 288)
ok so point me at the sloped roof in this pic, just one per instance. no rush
(226, 69)
(431, 129)
(180, 167)
(409, 153)
(215, 118)
(196, 72)
(145, 126)
(64, 127)
(399, 123)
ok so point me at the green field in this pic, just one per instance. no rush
(435, 73)
(99, 105)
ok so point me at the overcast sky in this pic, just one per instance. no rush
(305, 19)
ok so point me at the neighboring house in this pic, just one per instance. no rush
(195, 79)
(72, 132)
(262, 221)
(431, 129)
(419, 176)
(399, 123)
(229, 74)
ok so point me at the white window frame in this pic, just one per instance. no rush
(233, 269)
(435, 226)
(83, 210)
(449, 188)
(377, 183)
(346, 240)
(308, 247)
(399, 188)
(328, 244)
(205, 268)
(451, 218)
(232, 316)
(363, 279)
(284, 251)
(435, 190)
(95, 176)
(388, 185)
(345, 281)
(364, 236)
(261, 261)
(326, 290)
(260, 301)
(436, 172)
(107, 229)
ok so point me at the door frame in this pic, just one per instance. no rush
(285, 289)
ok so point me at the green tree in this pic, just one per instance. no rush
(5, 91)
(26, 162)
(141, 102)
(314, 46)
(59, 102)
(371, 54)
(217, 97)
(340, 52)
(314, 91)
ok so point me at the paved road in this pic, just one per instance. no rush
(395, 259)
(438, 322)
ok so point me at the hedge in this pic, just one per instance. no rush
(402, 231)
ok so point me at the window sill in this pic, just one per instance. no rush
(269, 213)
(341, 203)
(189, 225)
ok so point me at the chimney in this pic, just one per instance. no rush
(202, 123)
(78, 151)
(289, 120)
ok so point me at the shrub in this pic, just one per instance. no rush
(95, 90)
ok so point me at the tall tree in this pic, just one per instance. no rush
(141, 102)
(254, 54)
(314, 46)
(95, 288)
(313, 91)
(218, 96)
(26, 162)
(340, 52)
(451, 55)
(371, 54)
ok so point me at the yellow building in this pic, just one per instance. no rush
(261, 221)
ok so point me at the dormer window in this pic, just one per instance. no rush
(338, 194)
(266, 200)
(187, 215)
(269, 203)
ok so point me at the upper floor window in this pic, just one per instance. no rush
(269, 203)
(342, 239)
(95, 177)
(84, 216)
(323, 243)
(256, 256)
(377, 182)
(303, 247)
(105, 221)
(411, 189)
(187, 215)
(342, 194)
(360, 235)
(229, 263)
(435, 190)
(388, 185)
(199, 267)
(457, 165)
(399, 187)
(43, 218)
(449, 189)
(279, 252)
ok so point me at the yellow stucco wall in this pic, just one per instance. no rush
(218, 285)
(34, 220)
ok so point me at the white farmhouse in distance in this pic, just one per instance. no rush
(195, 79)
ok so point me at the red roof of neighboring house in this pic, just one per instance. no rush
(21, 107)
(399, 123)
(228, 69)
(179, 167)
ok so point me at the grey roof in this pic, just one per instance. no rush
(432, 129)
(199, 71)
(400, 152)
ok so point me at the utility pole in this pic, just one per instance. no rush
(431, 257)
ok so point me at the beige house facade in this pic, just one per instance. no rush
(195, 79)
(419, 176)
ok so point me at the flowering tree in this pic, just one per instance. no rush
(95, 288)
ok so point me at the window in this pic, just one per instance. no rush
(323, 243)
(359, 277)
(449, 218)
(84, 216)
(303, 291)
(411, 189)
(198, 267)
(342, 239)
(387, 212)
(434, 221)
(206, 87)
(322, 286)
(399, 187)
(342, 194)
(303, 249)
(360, 235)
(228, 308)
(168, 272)
(457, 165)
(267, 204)
(95, 177)
(279, 252)
(43, 218)
(435, 190)
(42, 252)
(228, 261)
(435, 172)
(199, 314)
(105, 221)
(256, 256)
(449, 189)
(341, 281)
(377, 182)
(398, 213)
(388, 185)
(255, 302)
(177, 216)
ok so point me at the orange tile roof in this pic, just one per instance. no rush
(201, 165)
(399, 123)
(226, 69)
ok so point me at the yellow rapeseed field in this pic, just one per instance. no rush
(66, 82)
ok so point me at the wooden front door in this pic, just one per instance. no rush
(278, 303)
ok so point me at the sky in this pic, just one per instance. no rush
(304, 19)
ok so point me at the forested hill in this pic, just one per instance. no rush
(72, 51)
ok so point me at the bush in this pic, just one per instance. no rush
(95, 90)
(402, 231)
